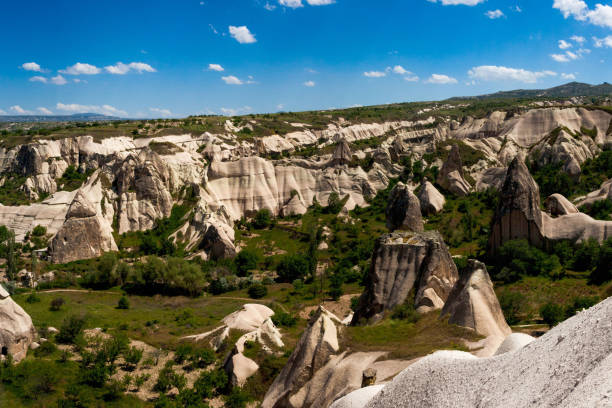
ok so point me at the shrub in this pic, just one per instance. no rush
(603, 271)
(210, 382)
(335, 285)
(262, 219)
(39, 231)
(334, 204)
(203, 357)
(46, 348)
(123, 303)
(552, 313)
(406, 312)
(183, 351)
(70, 329)
(579, 303)
(245, 261)
(56, 304)
(132, 356)
(517, 258)
(512, 304)
(257, 291)
(354, 303)
(168, 378)
(292, 267)
(33, 298)
(284, 319)
(237, 399)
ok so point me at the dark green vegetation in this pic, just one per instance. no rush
(10, 190)
(563, 91)
(72, 179)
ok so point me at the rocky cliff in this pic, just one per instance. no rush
(16, 329)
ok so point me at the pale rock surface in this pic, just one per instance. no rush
(16, 329)
(403, 210)
(239, 369)
(358, 398)
(493, 177)
(568, 367)
(473, 304)
(451, 175)
(402, 261)
(249, 318)
(431, 200)
(557, 205)
(513, 342)
(604, 193)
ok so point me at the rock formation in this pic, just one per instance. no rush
(513, 342)
(16, 329)
(404, 261)
(431, 200)
(557, 205)
(358, 398)
(604, 193)
(403, 210)
(473, 304)
(451, 175)
(83, 235)
(562, 369)
(342, 154)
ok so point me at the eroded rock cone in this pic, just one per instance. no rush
(403, 261)
(451, 175)
(473, 304)
(431, 200)
(403, 210)
(342, 154)
(16, 329)
(557, 205)
(518, 215)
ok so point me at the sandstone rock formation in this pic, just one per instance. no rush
(492, 177)
(403, 261)
(513, 342)
(358, 398)
(557, 205)
(562, 369)
(473, 304)
(84, 234)
(239, 368)
(604, 193)
(451, 175)
(431, 200)
(403, 210)
(342, 154)
(16, 329)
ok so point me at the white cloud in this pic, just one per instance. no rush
(216, 67)
(441, 79)
(568, 76)
(234, 112)
(578, 39)
(576, 8)
(2, 112)
(375, 74)
(81, 69)
(560, 57)
(398, 69)
(498, 73)
(600, 42)
(45, 111)
(494, 14)
(269, 6)
(121, 69)
(242, 34)
(232, 80)
(78, 81)
(59, 80)
(601, 15)
(213, 29)
(413, 78)
(38, 79)
(518, 9)
(564, 45)
(280, 106)
(19, 110)
(458, 2)
(161, 112)
(31, 66)
(320, 2)
(291, 3)
(309, 84)
(103, 110)
(570, 55)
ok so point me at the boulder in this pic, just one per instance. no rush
(403, 261)
(557, 205)
(513, 342)
(249, 318)
(17, 332)
(84, 234)
(239, 368)
(431, 200)
(451, 175)
(473, 304)
(403, 210)
(358, 398)
(492, 177)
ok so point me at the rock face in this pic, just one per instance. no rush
(604, 193)
(557, 205)
(404, 210)
(84, 234)
(513, 342)
(16, 329)
(403, 261)
(451, 175)
(473, 304)
(313, 351)
(562, 369)
(342, 155)
(358, 398)
(431, 200)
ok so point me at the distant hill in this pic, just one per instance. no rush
(563, 91)
(77, 117)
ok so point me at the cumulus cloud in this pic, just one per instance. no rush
(81, 69)
(291, 3)
(320, 2)
(237, 111)
(601, 15)
(411, 78)
(232, 80)
(570, 55)
(164, 113)
(102, 110)
(38, 79)
(494, 14)
(375, 74)
(19, 110)
(44, 111)
(242, 34)
(309, 84)
(216, 67)
(398, 69)
(568, 76)
(578, 39)
(564, 45)
(121, 69)
(600, 42)
(31, 66)
(59, 80)
(458, 2)
(441, 79)
(498, 73)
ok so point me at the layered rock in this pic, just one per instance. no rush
(513, 342)
(451, 175)
(431, 200)
(473, 304)
(403, 210)
(604, 193)
(404, 261)
(557, 205)
(16, 329)
(342, 154)
(491, 178)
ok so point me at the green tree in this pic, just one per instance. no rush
(257, 291)
(123, 304)
(262, 219)
(245, 261)
(292, 267)
(552, 313)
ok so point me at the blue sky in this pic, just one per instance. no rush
(162, 58)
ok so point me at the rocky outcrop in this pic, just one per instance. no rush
(404, 261)
(85, 234)
(342, 154)
(358, 398)
(565, 368)
(473, 304)
(557, 205)
(451, 175)
(16, 329)
(513, 342)
(491, 178)
(431, 200)
(403, 210)
(313, 351)
(604, 193)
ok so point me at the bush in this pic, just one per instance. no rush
(39, 231)
(33, 298)
(580, 303)
(245, 261)
(517, 258)
(552, 313)
(292, 267)
(132, 356)
(168, 378)
(56, 304)
(123, 303)
(202, 358)
(603, 272)
(257, 291)
(46, 348)
(209, 383)
(182, 353)
(70, 330)
(512, 304)
(262, 219)
(284, 319)
(237, 399)
(406, 312)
